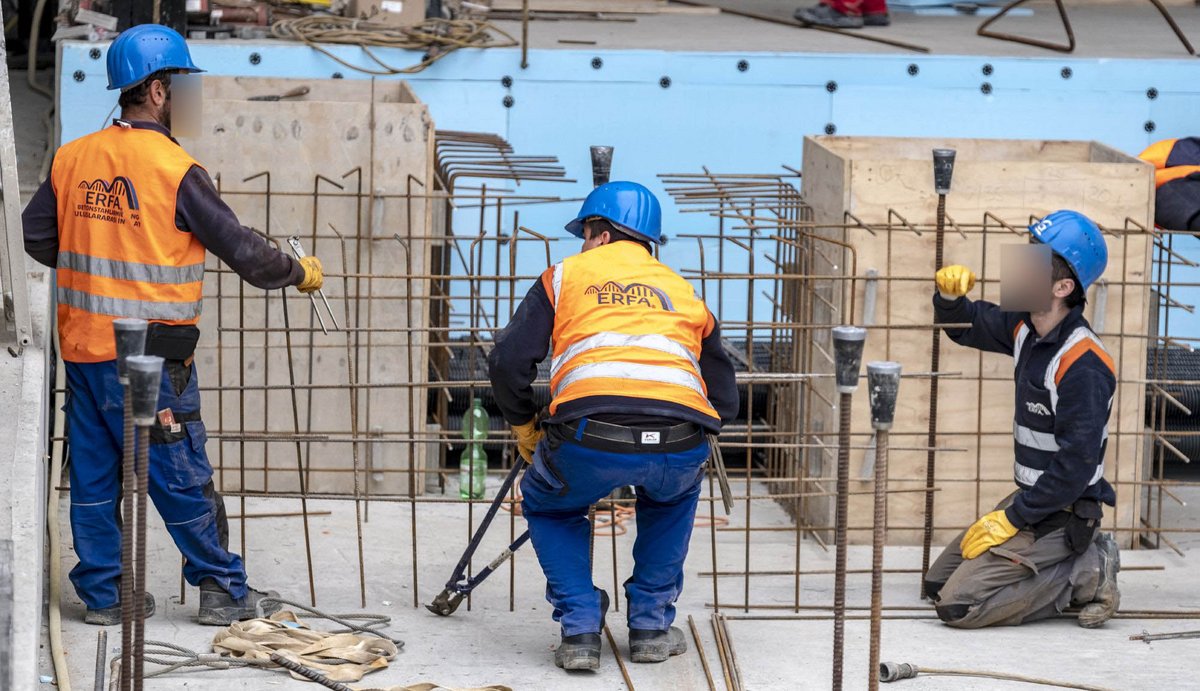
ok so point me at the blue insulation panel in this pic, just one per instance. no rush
(676, 111)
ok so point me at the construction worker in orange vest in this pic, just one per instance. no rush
(125, 219)
(1041, 549)
(1177, 181)
(638, 379)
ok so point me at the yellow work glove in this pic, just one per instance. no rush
(528, 435)
(314, 277)
(989, 531)
(955, 281)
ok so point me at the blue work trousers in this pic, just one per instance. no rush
(564, 480)
(180, 482)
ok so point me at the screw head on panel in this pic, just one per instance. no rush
(913, 69)
(337, 75)
(94, 53)
(1066, 73)
(1151, 93)
(743, 65)
(508, 101)
(597, 63)
(506, 81)
(831, 86)
(255, 58)
(1149, 126)
(79, 75)
(988, 70)
(665, 82)
(985, 88)
(831, 128)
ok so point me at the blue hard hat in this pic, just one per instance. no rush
(1077, 239)
(143, 50)
(629, 206)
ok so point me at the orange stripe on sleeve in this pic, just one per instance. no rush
(548, 285)
(1017, 331)
(1077, 351)
(1158, 152)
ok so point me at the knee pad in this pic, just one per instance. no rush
(952, 613)
(932, 588)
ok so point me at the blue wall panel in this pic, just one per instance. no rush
(713, 113)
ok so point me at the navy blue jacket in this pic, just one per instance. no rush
(525, 342)
(1060, 425)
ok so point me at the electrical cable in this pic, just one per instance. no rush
(437, 37)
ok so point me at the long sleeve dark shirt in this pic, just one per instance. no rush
(525, 342)
(198, 210)
(1080, 416)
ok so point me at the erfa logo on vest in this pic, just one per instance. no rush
(108, 201)
(632, 295)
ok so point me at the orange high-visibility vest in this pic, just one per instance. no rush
(119, 252)
(626, 325)
(1173, 159)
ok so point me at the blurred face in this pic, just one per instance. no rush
(1026, 283)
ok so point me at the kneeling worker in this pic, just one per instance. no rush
(638, 378)
(1040, 550)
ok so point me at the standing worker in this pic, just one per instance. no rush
(1040, 550)
(125, 218)
(845, 14)
(638, 379)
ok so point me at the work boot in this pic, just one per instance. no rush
(219, 608)
(877, 19)
(582, 651)
(647, 645)
(1104, 605)
(824, 15)
(111, 616)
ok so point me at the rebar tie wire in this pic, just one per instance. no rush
(437, 37)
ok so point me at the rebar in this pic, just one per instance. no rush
(841, 518)
(139, 585)
(128, 485)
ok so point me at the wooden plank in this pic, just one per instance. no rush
(348, 125)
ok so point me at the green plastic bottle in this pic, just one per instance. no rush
(472, 465)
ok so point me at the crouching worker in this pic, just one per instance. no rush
(1040, 550)
(638, 378)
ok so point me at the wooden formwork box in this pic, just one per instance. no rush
(376, 137)
(1013, 180)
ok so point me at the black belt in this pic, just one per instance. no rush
(621, 439)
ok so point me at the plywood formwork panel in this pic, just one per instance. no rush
(343, 166)
(877, 195)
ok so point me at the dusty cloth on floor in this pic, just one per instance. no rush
(341, 657)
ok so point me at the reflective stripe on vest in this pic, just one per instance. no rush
(120, 253)
(625, 325)
(1081, 341)
(609, 339)
(138, 309)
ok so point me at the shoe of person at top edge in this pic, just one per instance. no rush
(824, 15)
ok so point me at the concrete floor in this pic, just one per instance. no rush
(491, 645)
(1106, 29)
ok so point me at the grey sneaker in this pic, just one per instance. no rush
(219, 608)
(824, 15)
(111, 616)
(656, 646)
(1108, 599)
(877, 19)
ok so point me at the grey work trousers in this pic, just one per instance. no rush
(1025, 579)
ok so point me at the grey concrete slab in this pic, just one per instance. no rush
(1126, 30)
(490, 644)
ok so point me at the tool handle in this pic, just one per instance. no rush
(297, 248)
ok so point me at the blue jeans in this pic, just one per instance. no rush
(564, 480)
(180, 484)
